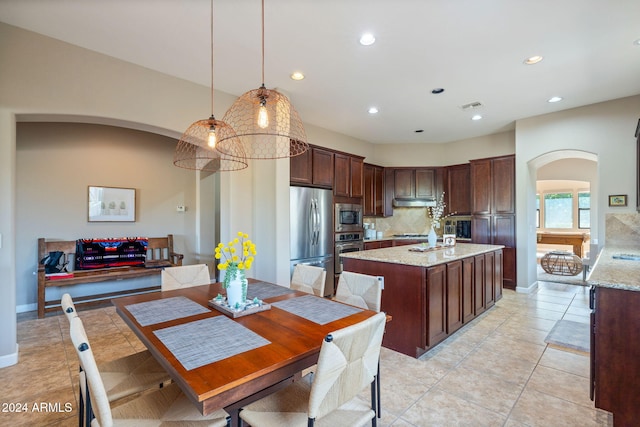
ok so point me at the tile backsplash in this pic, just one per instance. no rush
(622, 230)
(404, 220)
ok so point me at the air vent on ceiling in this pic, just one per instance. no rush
(471, 106)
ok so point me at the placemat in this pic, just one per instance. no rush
(316, 309)
(263, 290)
(163, 310)
(205, 341)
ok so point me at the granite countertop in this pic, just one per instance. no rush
(608, 272)
(402, 254)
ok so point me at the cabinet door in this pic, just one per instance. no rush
(372, 245)
(369, 198)
(386, 243)
(481, 229)
(479, 284)
(404, 183)
(425, 183)
(481, 187)
(489, 279)
(342, 175)
(356, 177)
(497, 276)
(454, 296)
(378, 192)
(436, 305)
(322, 168)
(503, 183)
(300, 168)
(458, 189)
(503, 230)
(468, 312)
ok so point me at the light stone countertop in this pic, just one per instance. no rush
(616, 273)
(402, 254)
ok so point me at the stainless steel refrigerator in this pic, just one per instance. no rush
(311, 215)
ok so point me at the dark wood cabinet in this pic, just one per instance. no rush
(615, 353)
(458, 189)
(312, 168)
(479, 284)
(489, 280)
(638, 167)
(377, 244)
(455, 292)
(493, 209)
(415, 183)
(373, 195)
(436, 305)
(348, 175)
(468, 270)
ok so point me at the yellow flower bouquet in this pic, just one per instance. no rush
(235, 261)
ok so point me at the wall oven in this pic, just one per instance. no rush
(348, 217)
(346, 242)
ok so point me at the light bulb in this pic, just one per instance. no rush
(263, 116)
(212, 137)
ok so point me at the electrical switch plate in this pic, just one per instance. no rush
(381, 282)
(180, 208)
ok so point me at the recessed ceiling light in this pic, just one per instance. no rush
(554, 99)
(476, 117)
(533, 60)
(297, 75)
(437, 91)
(373, 110)
(367, 39)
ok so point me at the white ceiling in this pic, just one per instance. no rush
(474, 49)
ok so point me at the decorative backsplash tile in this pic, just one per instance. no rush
(404, 220)
(622, 230)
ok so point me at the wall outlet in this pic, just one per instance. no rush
(180, 208)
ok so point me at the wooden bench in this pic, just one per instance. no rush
(160, 254)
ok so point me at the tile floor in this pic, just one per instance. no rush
(495, 371)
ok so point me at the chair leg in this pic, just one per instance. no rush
(374, 405)
(378, 390)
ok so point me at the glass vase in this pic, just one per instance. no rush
(237, 289)
(432, 238)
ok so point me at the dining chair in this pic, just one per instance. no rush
(309, 279)
(165, 406)
(123, 377)
(184, 276)
(361, 290)
(346, 365)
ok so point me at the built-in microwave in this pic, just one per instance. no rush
(348, 217)
(461, 226)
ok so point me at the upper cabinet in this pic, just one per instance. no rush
(638, 167)
(373, 199)
(493, 183)
(416, 183)
(348, 175)
(313, 168)
(458, 189)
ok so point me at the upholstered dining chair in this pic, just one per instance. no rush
(309, 279)
(361, 290)
(346, 365)
(184, 276)
(123, 377)
(165, 406)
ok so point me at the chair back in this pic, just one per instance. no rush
(99, 398)
(68, 308)
(309, 279)
(184, 276)
(347, 363)
(361, 290)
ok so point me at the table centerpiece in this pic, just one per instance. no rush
(234, 264)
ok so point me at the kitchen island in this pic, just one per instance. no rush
(431, 294)
(615, 322)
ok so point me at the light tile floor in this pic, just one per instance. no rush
(495, 371)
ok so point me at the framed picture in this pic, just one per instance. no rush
(111, 204)
(618, 200)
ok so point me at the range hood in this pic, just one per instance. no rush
(413, 203)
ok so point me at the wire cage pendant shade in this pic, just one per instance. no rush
(265, 122)
(197, 147)
(194, 150)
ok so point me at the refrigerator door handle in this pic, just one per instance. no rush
(311, 221)
(317, 227)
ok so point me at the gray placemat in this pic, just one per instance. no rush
(205, 341)
(163, 310)
(262, 290)
(316, 309)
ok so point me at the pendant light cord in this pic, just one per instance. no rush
(263, 43)
(211, 58)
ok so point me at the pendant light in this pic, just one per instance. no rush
(197, 148)
(266, 123)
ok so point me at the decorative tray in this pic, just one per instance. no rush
(249, 307)
(426, 248)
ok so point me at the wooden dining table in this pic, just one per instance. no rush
(287, 342)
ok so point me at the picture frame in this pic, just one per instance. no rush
(111, 204)
(618, 200)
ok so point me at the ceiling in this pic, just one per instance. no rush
(473, 49)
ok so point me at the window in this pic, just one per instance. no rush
(558, 210)
(584, 209)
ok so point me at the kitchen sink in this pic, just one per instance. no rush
(629, 257)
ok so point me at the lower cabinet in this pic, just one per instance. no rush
(455, 296)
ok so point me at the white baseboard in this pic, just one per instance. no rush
(9, 359)
(527, 289)
(26, 307)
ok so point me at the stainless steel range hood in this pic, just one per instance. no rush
(413, 203)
